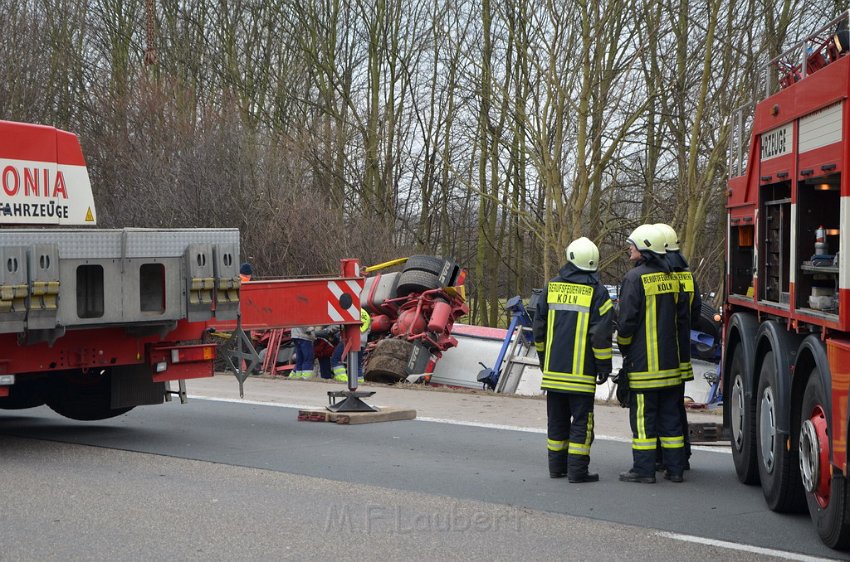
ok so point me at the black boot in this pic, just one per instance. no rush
(582, 478)
(632, 476)
(557, 474)
(673, 477)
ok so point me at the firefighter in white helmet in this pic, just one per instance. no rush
(647, 334)
(572, 334)
(690, 307)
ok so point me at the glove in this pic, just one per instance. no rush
(542, 357)
(602, 377)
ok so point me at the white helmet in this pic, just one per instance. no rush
(669, 235)
(648, 238)
(583, 254)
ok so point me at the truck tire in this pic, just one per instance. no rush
(742, 415)
(83, 400)
(430, 264)
(779, 466)
(415, 281)
(387, 363)
(827, 495)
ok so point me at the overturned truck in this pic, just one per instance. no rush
(413, 312)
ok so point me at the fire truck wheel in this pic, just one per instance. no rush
(778, 464)
(415, 281)
(431, 264)
(83, 398)
(742, 418)
(827, 495)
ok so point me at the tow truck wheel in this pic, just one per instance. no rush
(827, 495)
(743, 423)
(83, 397)
(778, 464)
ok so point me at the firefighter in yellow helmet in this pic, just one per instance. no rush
(572, 334)
(690, 307)
(647, 334)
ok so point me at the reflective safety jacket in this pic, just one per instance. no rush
(689, 309)
(648, 326)
(572, 331)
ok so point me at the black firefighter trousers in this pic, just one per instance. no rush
(654, 415)
(570, 432)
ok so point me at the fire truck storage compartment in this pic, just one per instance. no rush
(741, 246)
(775, 231)
(818, 205)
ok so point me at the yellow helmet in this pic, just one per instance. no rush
(669, 235)
(584, 254)
(648, 238)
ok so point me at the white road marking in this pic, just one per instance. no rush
(743, 547)
(451, 422)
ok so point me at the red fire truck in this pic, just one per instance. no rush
(786, 356)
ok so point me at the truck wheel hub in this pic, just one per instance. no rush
(814, 456)
(767, 430)
(738, 413)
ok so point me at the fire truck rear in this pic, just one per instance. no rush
(95, 322)
(786, 361)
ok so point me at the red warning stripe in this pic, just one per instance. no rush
(39, 143)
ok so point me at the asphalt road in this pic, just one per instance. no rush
(218, 480)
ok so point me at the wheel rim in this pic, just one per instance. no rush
(814, 456)
(738, 412)
(767, 430)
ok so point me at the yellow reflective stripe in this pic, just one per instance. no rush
(578, 449)
(567, 386)
(580, 344)
(550, 332)
(687, 371)
(646, 375)
(589, 437)
(621, 340)
(651, 335)
(672, 442)
(641, 423)
(540, 345)
(606, 306)
(662, 383)
(604, 353)
(571, 377)
(643, 443)
(554, 445)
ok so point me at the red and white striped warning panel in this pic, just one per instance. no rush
(336, 302)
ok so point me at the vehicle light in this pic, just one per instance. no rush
(7, 380)
(175, 356)
(717, 318)
(161, 366)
